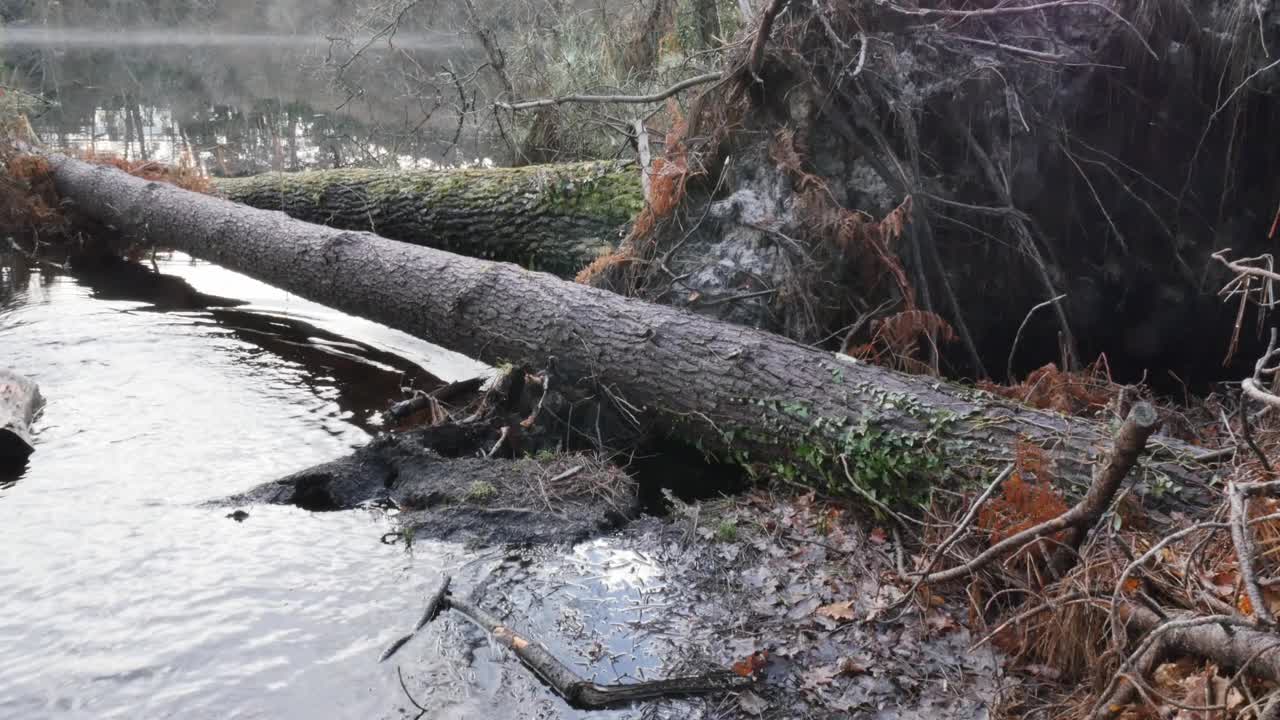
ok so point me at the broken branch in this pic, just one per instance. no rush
(629, 99)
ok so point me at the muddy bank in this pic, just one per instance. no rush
(784, 579)
(442, 494)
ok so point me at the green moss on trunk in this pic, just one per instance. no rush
(556, 218)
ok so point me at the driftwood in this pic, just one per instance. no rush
(422, 400)
(568, 684)
(747, 396)
(557, 218)
(19, 401)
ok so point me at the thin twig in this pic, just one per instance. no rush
(502, 439)
(959, 530)
(630, 99)
(410, 695)
(1242, 538)
(1018, 336)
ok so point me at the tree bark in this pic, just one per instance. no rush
(769, 404)
(19, 400)
(555, 218)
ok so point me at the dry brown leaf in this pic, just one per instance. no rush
(1170, 675)
(820, 676)
(942, 622)
(1208, 687)
(849, 666)
(878, 536)
(838, 611)
(751, 664)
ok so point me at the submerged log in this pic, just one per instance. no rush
(19, 400)
(769, 404)
(556, 218)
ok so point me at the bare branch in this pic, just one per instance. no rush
(1036, 54)
(1242, 537)
(762, 37)
(1018, 336)
(632, 99)
(987, 12)
(1129, 443)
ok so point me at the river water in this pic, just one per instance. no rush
(125, 596)
(123, 592)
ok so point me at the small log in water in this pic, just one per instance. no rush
(19, 400)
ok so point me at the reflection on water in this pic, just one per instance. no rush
(73, 37)
(123, 595)
(244, 103)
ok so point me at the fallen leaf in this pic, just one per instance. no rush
(849, 666)
(878, 536)
(820, 676)
(751, 664)
(1131, 585)
(1208, 684)
(838, 610)
(1224, 582)
(928, 597)
(1170, 675)
(803, 609)
(939, 621)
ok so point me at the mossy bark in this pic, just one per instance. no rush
(555, 218)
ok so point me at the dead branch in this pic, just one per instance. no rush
(570, 686)
(583, 693)
(502, 439)
(1227, 640)
(1129, 443)
(422, 401)
(756, 54)
(1253, 386)
(1239, 267)
(1034, 54)
(957, 533)
(421, 710)
(629, 99)
(1018, 336)
(432, 609)
(988, 12)
(1242, 538)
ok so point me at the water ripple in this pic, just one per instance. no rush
(123, 597)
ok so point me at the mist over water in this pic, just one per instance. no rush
(81, 37)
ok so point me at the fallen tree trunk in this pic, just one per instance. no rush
(772, 405)
(19, 400)
(556, 218)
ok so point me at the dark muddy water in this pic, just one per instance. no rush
(122, 595)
